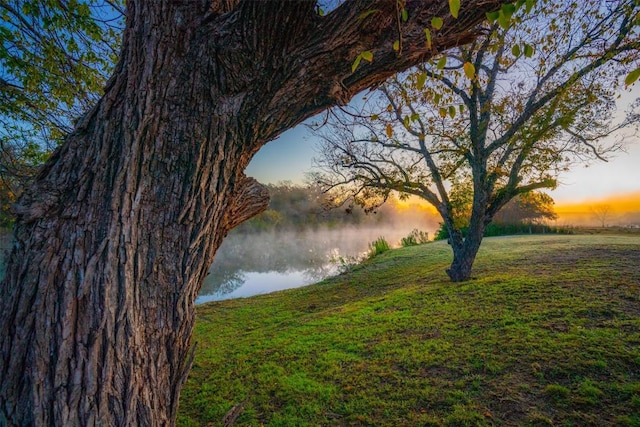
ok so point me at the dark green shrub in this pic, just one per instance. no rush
(416, 237)
(500, 229)
(378, 247)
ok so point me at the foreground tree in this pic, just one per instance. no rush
(502, 116)
(115, 235)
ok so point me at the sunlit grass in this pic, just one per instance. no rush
(416, 237)
(378, 247)
(547, 333)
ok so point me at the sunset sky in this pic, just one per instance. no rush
(616, 182)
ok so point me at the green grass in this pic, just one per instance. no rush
(378, 247)
(546, 334)
(416, 237)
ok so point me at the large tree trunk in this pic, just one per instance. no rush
(464, 255)
(465, 249)
(115, 237)
(111, 242)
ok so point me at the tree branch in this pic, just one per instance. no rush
(532, 106)
(250, 199)
(314, 54)
(502, 196)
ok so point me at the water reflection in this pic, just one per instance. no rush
(254, 283)
(251, 264)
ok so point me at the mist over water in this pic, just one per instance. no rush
(258, 263)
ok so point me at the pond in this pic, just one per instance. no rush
(252, 264)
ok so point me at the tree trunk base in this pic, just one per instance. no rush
(457, 274)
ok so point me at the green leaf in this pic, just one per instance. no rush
(415, 117)
(504, 21)
(529, 5)
(469, 70)
(406, 121)
(405, 15)
(422, 78)
(396, 45)
(515, 50)
(367, 13)
(374, 117)
(436, 98)
(632, 77)
(442, 63)
(427, 34)
(367, 55)
(508, 9)
(528, 50)
(454, 7)
(492, 16)
(437, 22)
(504, 18)
(355, 64)
(320, 11)
(452, 111)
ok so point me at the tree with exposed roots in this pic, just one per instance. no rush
(490, 121)
(114, 236)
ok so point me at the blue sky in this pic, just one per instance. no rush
(284, 159)
(290, 156)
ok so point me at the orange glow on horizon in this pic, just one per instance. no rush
(629, 202)
(619, 203)
(623, 209)
(414, 203)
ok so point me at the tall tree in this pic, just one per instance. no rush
(116, 233)
(506, 114)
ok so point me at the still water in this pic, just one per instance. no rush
(253, 264)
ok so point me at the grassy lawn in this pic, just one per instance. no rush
(548, 333)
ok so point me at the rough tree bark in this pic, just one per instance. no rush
(116, 234)
(466, 248)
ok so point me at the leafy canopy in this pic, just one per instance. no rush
(55, 58)
(514, 109)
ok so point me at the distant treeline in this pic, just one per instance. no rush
(296, 207)
(509, 229)
(525, 214)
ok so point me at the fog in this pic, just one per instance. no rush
(250, 264)
(589, 219)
